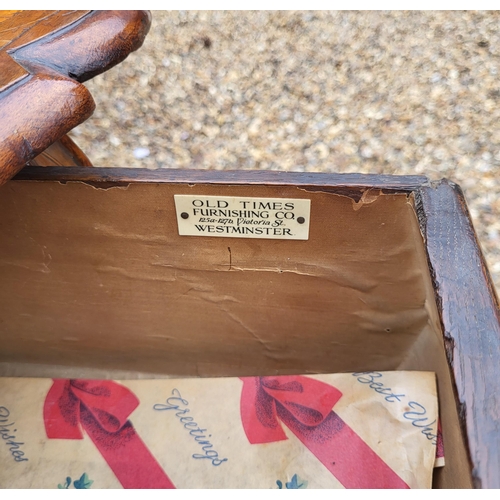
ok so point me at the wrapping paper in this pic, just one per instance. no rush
(350, 430)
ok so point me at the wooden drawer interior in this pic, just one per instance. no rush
(96, 282)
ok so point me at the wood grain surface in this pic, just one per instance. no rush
(470, 317)
(44, 55)
(353, 186)
(63, 153)
(318, 180)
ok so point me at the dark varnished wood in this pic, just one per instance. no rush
(63, 153)
(350, 185)
(469, 312)
(44, 55)
(319, 180)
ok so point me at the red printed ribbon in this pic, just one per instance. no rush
(305, 405)
(102, 408)
(439, 443)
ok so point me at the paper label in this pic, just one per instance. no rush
(238, 217)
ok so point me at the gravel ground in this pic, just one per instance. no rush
(370, 92)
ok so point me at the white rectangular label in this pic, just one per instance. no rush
(237, 217)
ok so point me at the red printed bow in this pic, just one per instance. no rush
(102, 408)
(305, 405)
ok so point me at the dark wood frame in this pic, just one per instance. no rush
(469, 312)
(467, 302)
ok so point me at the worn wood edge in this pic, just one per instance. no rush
(404, 183)
(470, 318)
(110, 36)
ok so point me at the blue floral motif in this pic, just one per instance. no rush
(84, 483)
(66, 485)
(295, 484)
